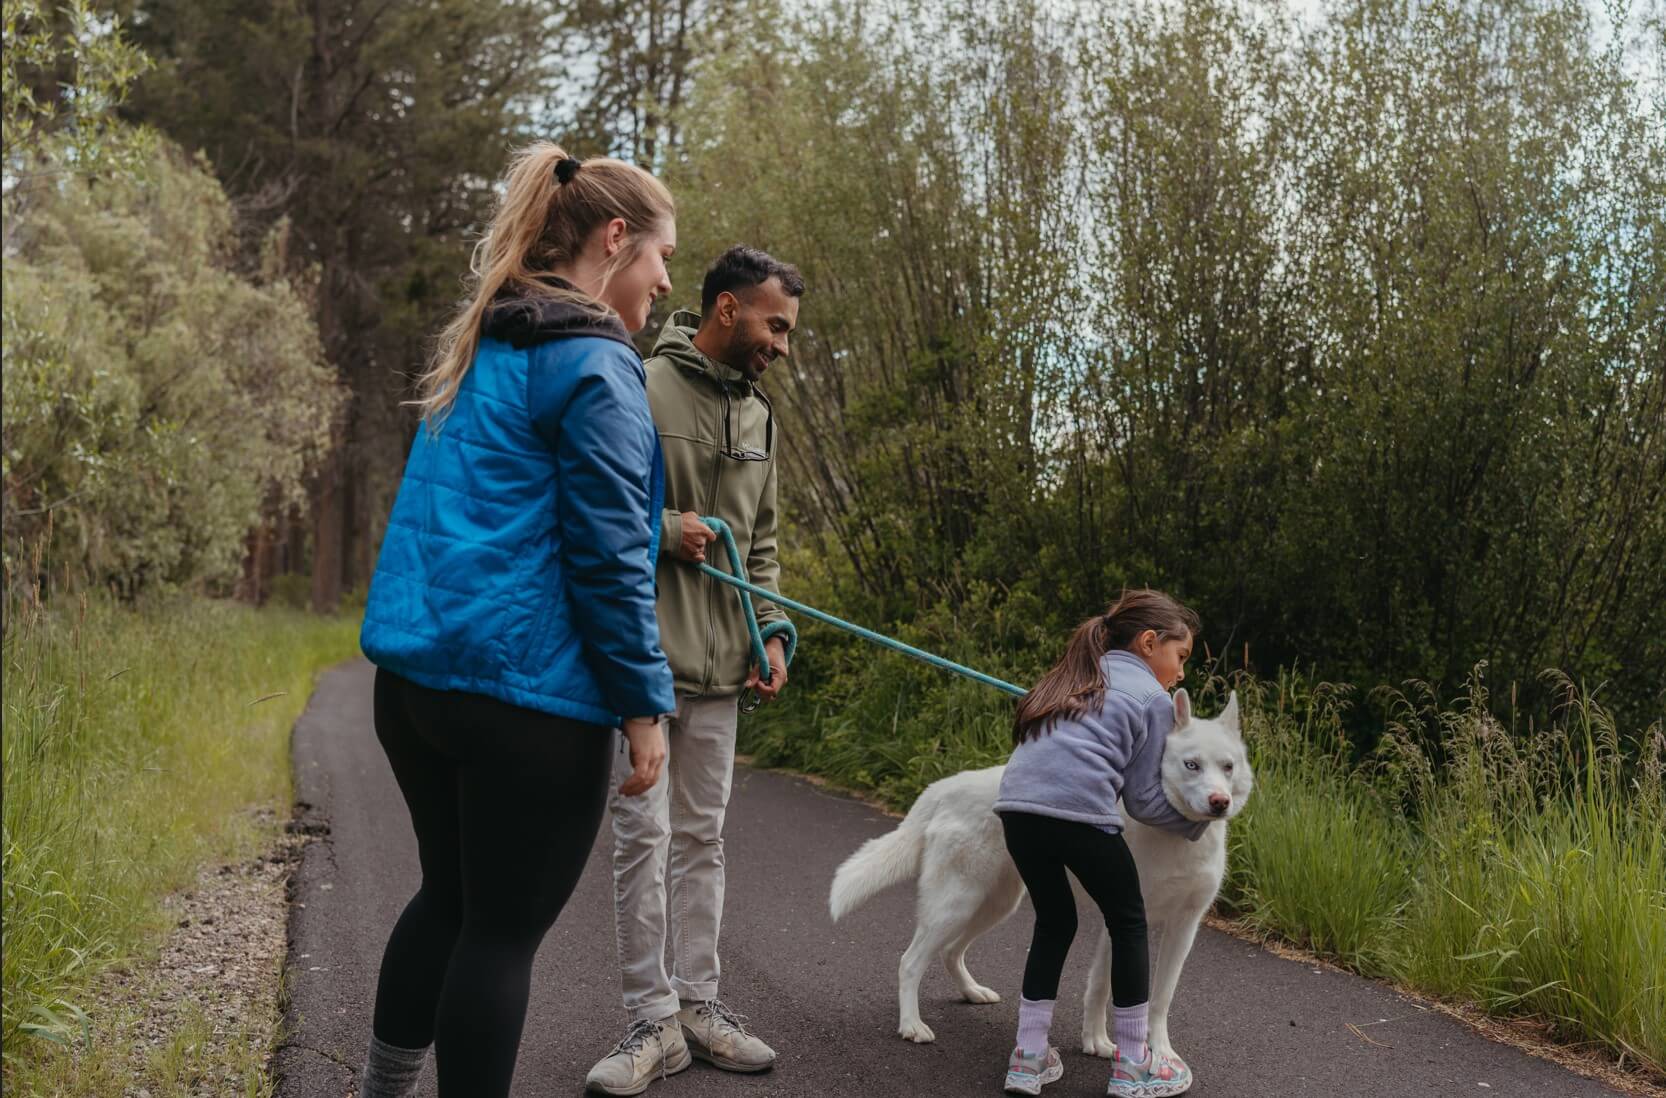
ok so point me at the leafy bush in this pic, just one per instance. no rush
(155, 397)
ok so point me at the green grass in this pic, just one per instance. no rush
(1519, 869)
(135, 742)
(1287, 874)
(1541, 882)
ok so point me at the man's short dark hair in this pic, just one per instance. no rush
(742, 267)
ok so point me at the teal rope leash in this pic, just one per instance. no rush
(737, 578)
(784, 629)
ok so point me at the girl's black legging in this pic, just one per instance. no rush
(1044, 848)
(505, 802)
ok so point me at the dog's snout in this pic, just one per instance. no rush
(1219, 803)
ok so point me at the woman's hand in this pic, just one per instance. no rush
(647, 744)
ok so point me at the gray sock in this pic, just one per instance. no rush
(391, 1072)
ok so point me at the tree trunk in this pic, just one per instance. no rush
(294, 542)
(327, 529)
(352, 505)
(257, 565)
(365, 542)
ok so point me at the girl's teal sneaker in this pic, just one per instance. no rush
(1028, 1074)
(1152, 1077)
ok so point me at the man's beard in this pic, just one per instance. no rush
(748, 366)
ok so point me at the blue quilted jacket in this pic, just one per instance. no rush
(519, 558)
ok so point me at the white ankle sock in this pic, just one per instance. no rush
(1035, 1018)
(1131, 1031)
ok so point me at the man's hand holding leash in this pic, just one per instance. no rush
(776, 649)
(696, 536)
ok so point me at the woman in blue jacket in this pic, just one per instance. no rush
(511, 617)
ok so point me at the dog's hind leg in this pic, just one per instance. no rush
(1096, 998)
(996, 908)
(942, 910)
(1172, 948)
(931, 938)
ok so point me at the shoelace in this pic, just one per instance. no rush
(637, 1036)
(719, 1011)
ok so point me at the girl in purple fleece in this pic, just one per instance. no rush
(1090, 731)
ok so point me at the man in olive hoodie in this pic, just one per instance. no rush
(717, 429)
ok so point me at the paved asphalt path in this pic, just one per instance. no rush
(1249, 1023)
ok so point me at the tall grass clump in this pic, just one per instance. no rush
(134, 743)
(1520, 869)
(1541, 883)
(1317, 857)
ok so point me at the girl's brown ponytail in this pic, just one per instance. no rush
(1076, 684)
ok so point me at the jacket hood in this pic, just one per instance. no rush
(676, 342)
(522, 319)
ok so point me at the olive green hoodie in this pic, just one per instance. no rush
(701, 624)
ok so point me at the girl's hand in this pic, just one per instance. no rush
(647, 746)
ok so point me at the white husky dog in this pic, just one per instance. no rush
(951, 840)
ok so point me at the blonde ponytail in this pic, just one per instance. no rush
(540, 223)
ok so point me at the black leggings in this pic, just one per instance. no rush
(505, 802)
(1043, 848)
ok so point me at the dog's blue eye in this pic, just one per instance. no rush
(1192, 765)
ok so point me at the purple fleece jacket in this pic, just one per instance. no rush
(1078, 769)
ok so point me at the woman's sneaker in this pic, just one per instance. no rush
(1152, 1077)
(1028, 1074)
(649, 1051)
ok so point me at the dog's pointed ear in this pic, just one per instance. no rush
(1182, 709)
(1229, 716)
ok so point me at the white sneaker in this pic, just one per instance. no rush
(1028, 1074)
(718, 1035)
(649, 1051)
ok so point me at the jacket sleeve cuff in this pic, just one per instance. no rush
(650, 696)
(670, 531)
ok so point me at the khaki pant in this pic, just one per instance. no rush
(668, 845)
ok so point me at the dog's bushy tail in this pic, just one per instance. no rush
(880, 863)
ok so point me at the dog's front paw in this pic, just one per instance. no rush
(916, 1031)
(977, 993)
(1098, 1044)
